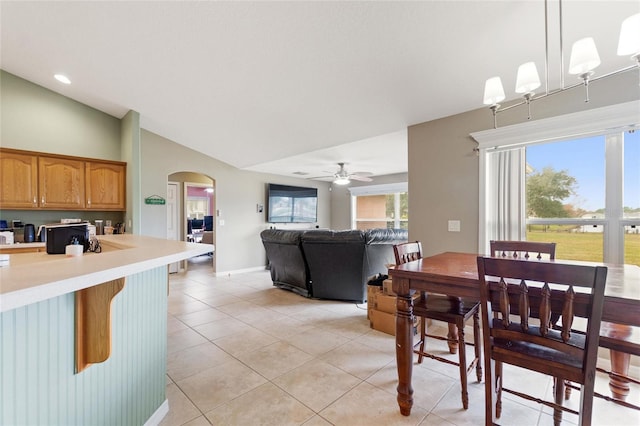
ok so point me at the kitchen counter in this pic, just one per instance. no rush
(32, 277)
(84, 339)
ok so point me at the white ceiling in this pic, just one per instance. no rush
(286, 87)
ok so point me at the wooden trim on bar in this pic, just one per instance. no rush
(93, 322)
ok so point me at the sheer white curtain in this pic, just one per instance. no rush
(505, 195)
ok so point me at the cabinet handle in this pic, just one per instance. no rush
(42, 201)
(35, 200)
(89, 201)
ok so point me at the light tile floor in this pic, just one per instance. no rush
(242, 352)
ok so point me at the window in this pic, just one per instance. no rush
(574, 196)
(604, 203)
(380, 206)
(631, 197)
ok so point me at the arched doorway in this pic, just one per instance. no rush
(195, 212)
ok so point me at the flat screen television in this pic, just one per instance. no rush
(291, 204)
(208, 223)
(197, 224)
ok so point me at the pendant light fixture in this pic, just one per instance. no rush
(584, 60)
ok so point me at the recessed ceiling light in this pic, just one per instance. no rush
(62, 78)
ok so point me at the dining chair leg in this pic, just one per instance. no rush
(452, 335)
(476, 345)
(559, 396)
(498, 378)
(423, 338)
(463, 365)
(567, 390)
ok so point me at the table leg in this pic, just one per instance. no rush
(619, 365)
(404, 344)
(619, 360)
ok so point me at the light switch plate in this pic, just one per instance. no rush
(454, 226)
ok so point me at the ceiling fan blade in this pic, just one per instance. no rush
(363, 173)
(321, 177)
(360, 178)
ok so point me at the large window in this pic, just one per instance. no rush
(572, 179)
(584, 194)
(380, 206)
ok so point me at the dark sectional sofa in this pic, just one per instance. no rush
(329, 264)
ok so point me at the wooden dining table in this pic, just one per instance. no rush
(456, 274)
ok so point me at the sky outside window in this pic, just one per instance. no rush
(632, 173)
(583, 159)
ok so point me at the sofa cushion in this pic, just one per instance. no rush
(385, 236)
(287, 264)
(321, 236)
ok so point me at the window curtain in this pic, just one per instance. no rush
(505, 195)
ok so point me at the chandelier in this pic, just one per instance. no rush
(583, 60)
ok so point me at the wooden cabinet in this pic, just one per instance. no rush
(32, 180)
(105, 186)
(61, 183)
(19, 185)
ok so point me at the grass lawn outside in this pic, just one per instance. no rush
(587, 246)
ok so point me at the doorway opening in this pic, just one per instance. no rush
(196, 212)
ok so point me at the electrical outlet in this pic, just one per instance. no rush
(454, 226)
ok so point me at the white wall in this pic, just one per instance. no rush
(238, 244)
(37, 119)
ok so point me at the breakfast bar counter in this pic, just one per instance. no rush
(32, 277)
(83, 340)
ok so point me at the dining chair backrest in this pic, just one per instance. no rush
(525, 295)
(522, 249)
(407, 252)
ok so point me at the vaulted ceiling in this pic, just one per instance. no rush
(294, 87)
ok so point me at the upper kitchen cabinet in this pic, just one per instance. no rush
(19, 185)
(35, 180)
(62, 183)
(105, 185)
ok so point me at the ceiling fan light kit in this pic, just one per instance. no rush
(343, 177)
(584, 59)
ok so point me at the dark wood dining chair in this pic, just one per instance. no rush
(456, 312)
(525, 294)
(522, 249)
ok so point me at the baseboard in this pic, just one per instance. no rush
(159, 414)
(239, 271)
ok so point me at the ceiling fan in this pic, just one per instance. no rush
(343, 177)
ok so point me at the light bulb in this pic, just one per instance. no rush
(62, 78)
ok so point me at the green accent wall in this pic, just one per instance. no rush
(37, 381)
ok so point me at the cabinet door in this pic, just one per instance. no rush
(19, 180)
(105, 186)
(61, 183)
